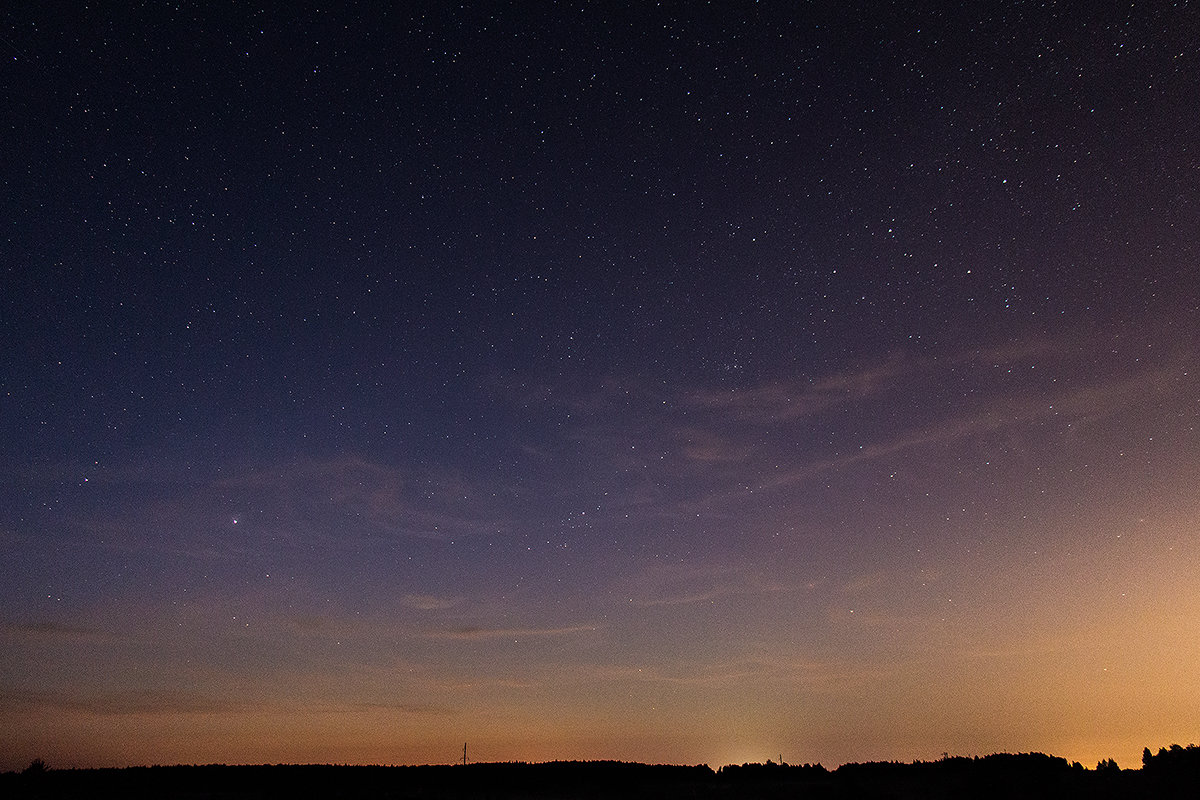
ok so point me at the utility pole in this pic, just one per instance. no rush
(464, 754)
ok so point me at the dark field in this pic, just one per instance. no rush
(1173, 772)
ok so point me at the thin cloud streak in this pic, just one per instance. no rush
(126, 703)
(485, 634)
(812, 675)
(680, 586)
(1080, 406)
(187, 703)
(426, 602)
(782, 401)
(51, 629)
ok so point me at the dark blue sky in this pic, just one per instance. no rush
(565, 377)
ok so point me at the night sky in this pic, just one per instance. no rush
(682, 382)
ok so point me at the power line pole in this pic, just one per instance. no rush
(464, 754)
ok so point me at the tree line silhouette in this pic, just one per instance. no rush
(1171, 772)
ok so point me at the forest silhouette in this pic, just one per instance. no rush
(1171, 772)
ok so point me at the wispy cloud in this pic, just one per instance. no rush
(678, 453)
(1078, 407)
(184, 702)
(687, 585)
(375, 497)
(53, 629)
(427, 602)
(420, 709)
(473, 634)
(127, 702)
(335, 501)
(479, 683)
(813, 675)
(781, 401)
(710, 447)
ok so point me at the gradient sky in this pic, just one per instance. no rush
(683, 383)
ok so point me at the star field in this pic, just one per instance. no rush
(673, 383)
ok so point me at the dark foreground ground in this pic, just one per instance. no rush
(998, 776)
